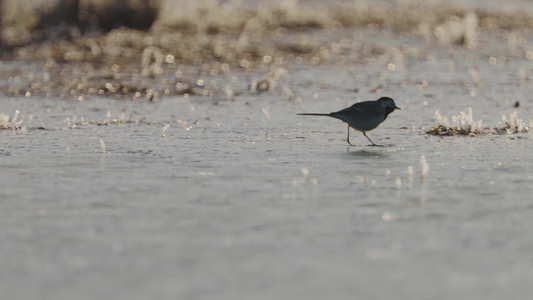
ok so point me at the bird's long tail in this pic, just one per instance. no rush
(310, 114)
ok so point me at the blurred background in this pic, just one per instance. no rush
(82, 44)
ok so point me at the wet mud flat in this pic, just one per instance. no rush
(230, 194)
(245, 199)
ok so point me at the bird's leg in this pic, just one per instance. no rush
(370, 140)
(348, 137)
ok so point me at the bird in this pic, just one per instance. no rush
(362, 116)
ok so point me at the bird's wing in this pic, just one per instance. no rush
(360, 110)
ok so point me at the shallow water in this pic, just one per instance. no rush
(244, 199)
(240, 198)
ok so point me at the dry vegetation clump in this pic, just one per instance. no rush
(464, 124)
(513, 125)
(10, 123)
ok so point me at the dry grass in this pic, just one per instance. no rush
(464, 124)
(10, 123)
(513, 124)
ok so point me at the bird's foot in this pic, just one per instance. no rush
(348, 141)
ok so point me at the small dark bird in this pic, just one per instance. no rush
(363, 116)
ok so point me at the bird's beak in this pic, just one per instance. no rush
(398, 108)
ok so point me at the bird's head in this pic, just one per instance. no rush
(388, 104)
